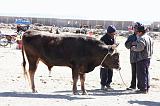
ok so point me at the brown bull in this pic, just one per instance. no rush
(78, 52)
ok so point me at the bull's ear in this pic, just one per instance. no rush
(114, 46)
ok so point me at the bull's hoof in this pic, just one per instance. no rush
(85, 93)
(75, 93)
(34, 91)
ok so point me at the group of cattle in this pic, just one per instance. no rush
(80, 53)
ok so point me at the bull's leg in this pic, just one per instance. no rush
(31, 75)
(82, 79)
(75, 79)
(32, 69)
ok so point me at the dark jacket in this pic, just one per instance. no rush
(128, 45)
(107, 39)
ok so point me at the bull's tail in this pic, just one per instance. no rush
(24, 62)
(26, 74)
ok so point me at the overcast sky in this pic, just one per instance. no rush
(129, 10)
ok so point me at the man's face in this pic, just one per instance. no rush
(139, 33)
(113, 33)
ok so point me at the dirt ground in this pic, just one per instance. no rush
(56, 90)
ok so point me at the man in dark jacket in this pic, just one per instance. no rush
(128, 44)
(105, 72)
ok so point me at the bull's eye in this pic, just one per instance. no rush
(116, 57)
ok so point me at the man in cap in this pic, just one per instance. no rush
(128, 44)
(105, 72)
(144, 50)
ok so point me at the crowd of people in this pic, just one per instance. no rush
(140, 45)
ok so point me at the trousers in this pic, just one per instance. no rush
(106, 75)
(143, 74)
(134, 72)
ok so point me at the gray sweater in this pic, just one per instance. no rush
(144, 47)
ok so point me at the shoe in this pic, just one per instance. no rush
(142, 91)
(131, 88)
(109, 88)
(102, 87)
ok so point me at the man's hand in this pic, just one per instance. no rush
(134, 43)
(115, 45)
(133, 48)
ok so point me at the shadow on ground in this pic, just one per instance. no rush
(146, 103)
(99, 92)
(67, 94)
(44, 96)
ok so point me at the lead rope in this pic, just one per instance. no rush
(104, 59)
(122, 78)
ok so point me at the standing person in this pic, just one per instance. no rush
(105, 72)
(18, 28)
(144, 49)
(128, 45)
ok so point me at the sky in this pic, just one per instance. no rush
(119, 10)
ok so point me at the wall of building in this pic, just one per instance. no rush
(120, 25)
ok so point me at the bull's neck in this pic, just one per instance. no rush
(101, 56)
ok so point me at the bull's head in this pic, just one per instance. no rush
(112, 57)
(112, 61)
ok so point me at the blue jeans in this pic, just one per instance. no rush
(106, 76)
(143, 74)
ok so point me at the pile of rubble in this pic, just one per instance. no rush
(155, 35)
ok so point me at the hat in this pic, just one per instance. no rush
(111, 29)
(141, 28)
(137, 24)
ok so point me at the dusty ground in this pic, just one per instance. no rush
(57, 89)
